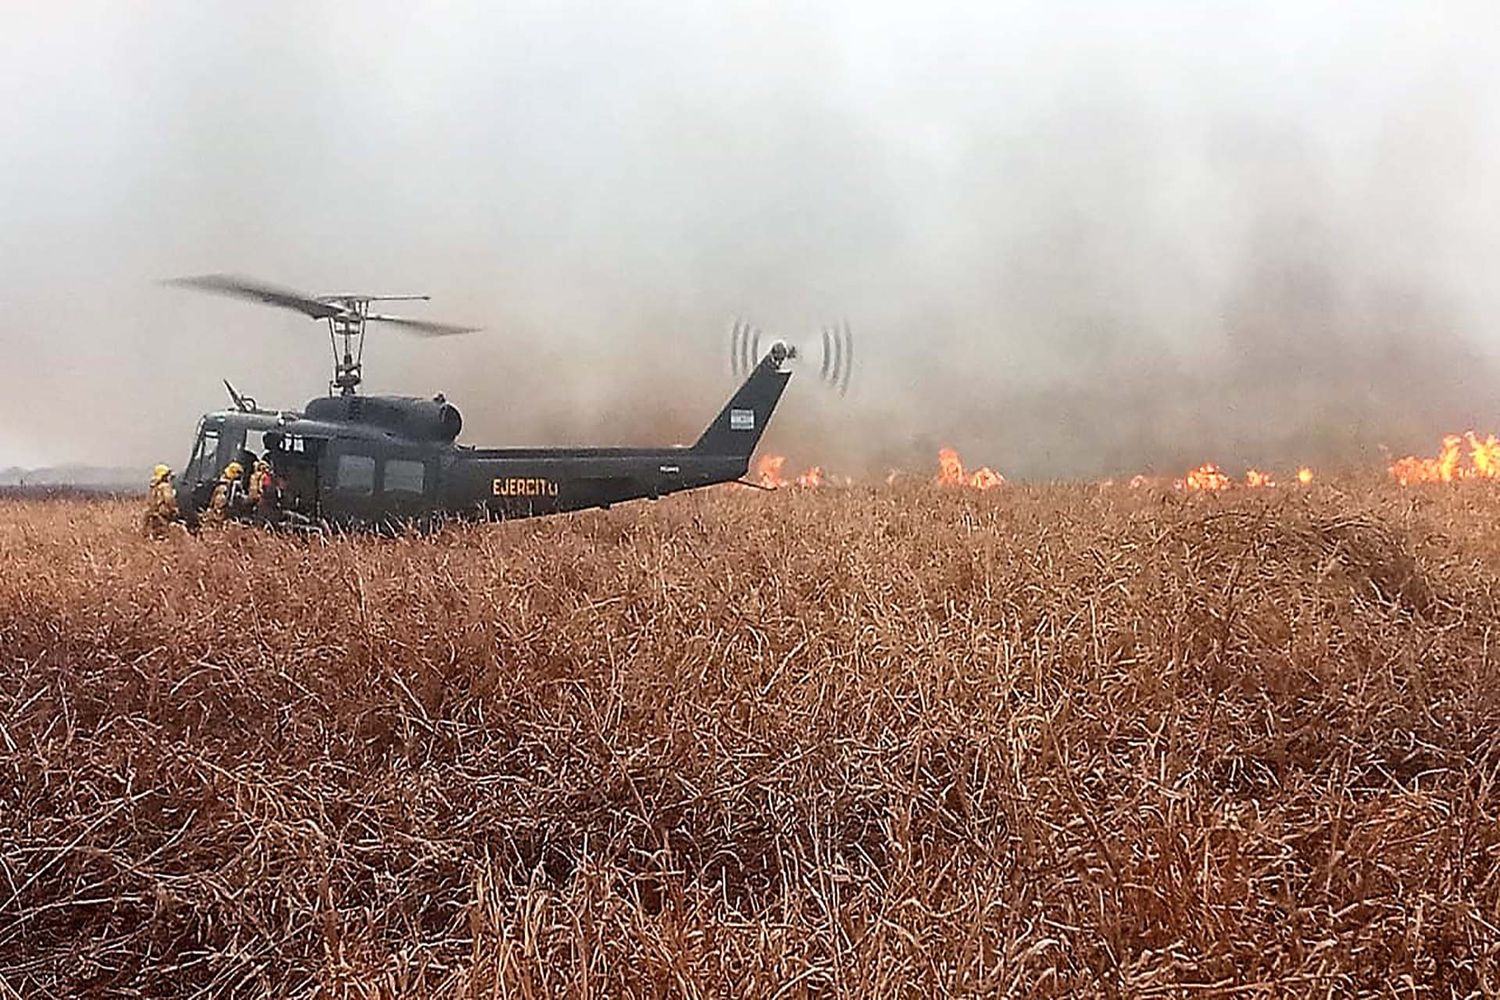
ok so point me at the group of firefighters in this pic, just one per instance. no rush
(230, 497)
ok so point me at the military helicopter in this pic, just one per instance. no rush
(348, 460)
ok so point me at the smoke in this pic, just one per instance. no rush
(1071, 240)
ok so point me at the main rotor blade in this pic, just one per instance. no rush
(423, 327)
(352, 297)
(259, 291)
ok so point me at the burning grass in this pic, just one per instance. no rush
(866, 742)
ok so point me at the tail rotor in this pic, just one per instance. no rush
(838, 357)
(835, 369)
(744, 349)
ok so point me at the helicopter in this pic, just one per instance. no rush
(382, 462)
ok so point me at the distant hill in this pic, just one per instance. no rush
(87, 476)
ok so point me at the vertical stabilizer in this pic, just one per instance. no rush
(737, 429)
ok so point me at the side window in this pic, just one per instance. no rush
(403, 476)
(356, 474)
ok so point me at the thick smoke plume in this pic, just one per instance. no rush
(1072, 241)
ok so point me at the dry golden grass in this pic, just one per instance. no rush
(872, 743)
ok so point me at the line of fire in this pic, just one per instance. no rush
(1460, 457)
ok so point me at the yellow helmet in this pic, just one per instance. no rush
(233, 470)
(159, 473)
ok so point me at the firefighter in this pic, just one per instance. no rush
(264, 492)
(225, 497)
(161, 503)
(260, 483)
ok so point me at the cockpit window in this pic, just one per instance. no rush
(206, 448)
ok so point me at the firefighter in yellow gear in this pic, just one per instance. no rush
(260, 484)
(161, 503)
(226, 493)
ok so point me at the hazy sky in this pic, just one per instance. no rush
(1072, 239)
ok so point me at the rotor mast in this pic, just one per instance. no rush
(346, 336)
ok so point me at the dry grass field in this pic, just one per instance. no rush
(874, 742)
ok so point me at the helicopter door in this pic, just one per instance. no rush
(294, 459)
(248, 445)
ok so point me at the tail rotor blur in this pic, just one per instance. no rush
(835, 369)
(744, 349)
(838, 357)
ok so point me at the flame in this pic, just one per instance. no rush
(1206, 477)
(950, 468)
(768, 471)
(951, 473)
(1448, 465)
(1429, 470)
(811, 479)
(1485, 455)
(986, 478)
